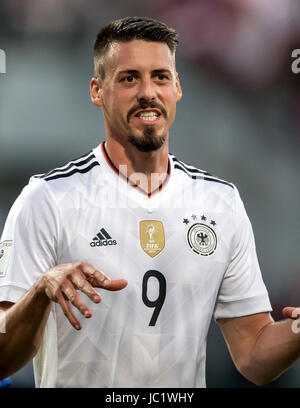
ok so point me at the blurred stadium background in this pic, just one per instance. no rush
(239, 117)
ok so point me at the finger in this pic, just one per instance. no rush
(67, 310)
(99, 280)
(81, 283)
(93, 275)
(69, 291)
(291, 312)
(114, 284)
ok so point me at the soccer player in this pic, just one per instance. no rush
(113, 265)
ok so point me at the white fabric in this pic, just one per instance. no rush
(54, 222)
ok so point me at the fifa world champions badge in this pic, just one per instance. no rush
(152, 237)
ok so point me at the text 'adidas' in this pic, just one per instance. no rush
(103, 239)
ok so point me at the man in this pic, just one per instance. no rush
(164, 245)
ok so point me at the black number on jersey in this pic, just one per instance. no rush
(158, 303)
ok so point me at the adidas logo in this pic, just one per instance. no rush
(103, 239)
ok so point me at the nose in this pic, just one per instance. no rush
(146, 90)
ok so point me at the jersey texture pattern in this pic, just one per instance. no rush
(187, 252)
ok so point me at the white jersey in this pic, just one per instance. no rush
(187, 252)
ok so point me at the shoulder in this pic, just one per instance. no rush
(80, 165)
(45, 190)
(197, 175)
(33, 203)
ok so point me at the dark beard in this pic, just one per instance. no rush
(148, 142)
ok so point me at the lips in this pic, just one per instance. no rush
(147, 111)
(148, 115)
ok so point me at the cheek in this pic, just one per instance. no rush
(171, 112)
(122, 102)
(172, 104)
(170, 96)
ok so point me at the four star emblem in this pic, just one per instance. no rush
(203, 218)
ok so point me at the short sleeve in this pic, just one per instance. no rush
(29, 240)
(242, 291)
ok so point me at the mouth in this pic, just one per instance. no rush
(148, 115)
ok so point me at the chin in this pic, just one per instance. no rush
(148, 142)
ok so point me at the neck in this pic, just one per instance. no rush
(146, 169)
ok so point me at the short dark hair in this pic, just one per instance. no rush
(128, 29)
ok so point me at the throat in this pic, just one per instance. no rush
(146, 175)
(148, 183)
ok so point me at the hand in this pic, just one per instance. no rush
(61, 283)
(291, 312)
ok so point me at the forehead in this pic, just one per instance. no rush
(138, 55)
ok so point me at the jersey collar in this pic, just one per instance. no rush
(128, 181)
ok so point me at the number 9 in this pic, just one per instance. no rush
(158, 303)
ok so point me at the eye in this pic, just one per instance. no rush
(129, 78)
(162, 77)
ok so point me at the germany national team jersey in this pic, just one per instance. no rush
(187, 251)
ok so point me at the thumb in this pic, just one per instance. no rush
(291, 312)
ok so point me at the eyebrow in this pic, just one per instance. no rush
(135, 71)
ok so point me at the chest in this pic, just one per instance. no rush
(174, 260)
(193, 244)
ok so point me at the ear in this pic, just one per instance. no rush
(178, 88)
(96, 91)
